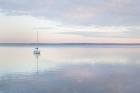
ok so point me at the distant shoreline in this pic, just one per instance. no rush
(34, 44)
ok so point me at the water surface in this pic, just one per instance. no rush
(61, 69)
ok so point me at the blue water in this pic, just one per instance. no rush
(70, 69)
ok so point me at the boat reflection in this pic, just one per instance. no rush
(37, 54)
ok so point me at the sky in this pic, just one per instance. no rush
(70, 21)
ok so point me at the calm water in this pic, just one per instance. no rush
(89, 69)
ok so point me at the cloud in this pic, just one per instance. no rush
(105, 34)
(83, 12)
(105, 31)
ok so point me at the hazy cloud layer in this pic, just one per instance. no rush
(128, 34)
(15, 28)
(98, 12)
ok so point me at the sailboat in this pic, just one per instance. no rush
(37, 51)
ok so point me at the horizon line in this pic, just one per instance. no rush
(69, 43)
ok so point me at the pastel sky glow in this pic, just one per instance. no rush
(70, 21)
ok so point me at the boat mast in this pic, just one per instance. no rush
(37, 39)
